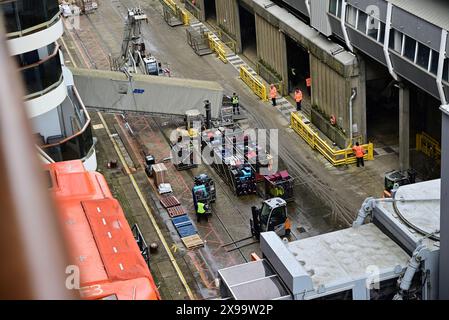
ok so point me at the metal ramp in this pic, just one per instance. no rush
(226, 112)
(252, 281)
(198, 40)
(171, 17)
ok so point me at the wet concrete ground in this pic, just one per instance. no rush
(321, 191)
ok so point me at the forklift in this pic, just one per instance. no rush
(207, 182)
(397, 178)
(149, 162)
(272, 216)
(204, 191)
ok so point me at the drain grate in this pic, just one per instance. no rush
(301, 229)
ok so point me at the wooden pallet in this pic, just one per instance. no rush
(169, 201)
(176, 211)
(192, 242)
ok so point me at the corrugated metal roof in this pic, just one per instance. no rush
(433, 11)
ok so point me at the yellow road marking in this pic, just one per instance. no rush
(147, 209)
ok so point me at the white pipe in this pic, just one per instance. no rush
(386, 41)
(405, 283)
(365, 210)
(343, 26)
(354, 93)
(441, 66)
(308, 6)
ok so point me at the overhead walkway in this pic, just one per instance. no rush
(142, 93)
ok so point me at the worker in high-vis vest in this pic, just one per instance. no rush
(359, 154)
(235, 103)
(201, 211)
(273, 94)
(298, 99)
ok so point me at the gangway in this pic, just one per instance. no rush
(199, 41)
(170, 17)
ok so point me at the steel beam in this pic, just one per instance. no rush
(404, 127)
(444, 213)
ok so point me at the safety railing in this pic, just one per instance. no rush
(217, 46)
(25, 17)
(141, 243)
(193, 9)
(255, 84)
(226, 39)
(335, 157)
(180, 13)
(269, 77)
(428, 145)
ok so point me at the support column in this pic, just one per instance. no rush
(238, 31)
(284, 63)
(359, 105)
(404, 127)
(444, 207)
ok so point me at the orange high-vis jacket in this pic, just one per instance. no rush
(273, 92)
(359, 152)
(298, 96)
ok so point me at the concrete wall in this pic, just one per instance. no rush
(201, 12)
(271, 47)
(228, 19)
(331, 93)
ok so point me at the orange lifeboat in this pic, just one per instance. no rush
(100, 241)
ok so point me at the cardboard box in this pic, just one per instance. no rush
(160, 173)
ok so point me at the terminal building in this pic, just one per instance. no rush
(59, 118)
(387, 57)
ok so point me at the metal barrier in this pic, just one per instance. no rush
(269, 77)
(141, 243)
(193, 9)
(218, 47)
(428, 145)
(181, 14)
(226, 39)
(256, 85)
(336, 157)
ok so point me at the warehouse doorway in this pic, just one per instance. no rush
(298, 64)
(382, 107)
(382, 114)
(210, 10)
(248, 33)
(425, 120)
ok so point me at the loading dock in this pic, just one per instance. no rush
(398, 112)
(210, 11)
(382, 106)
(248, 32)
(298, 63)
